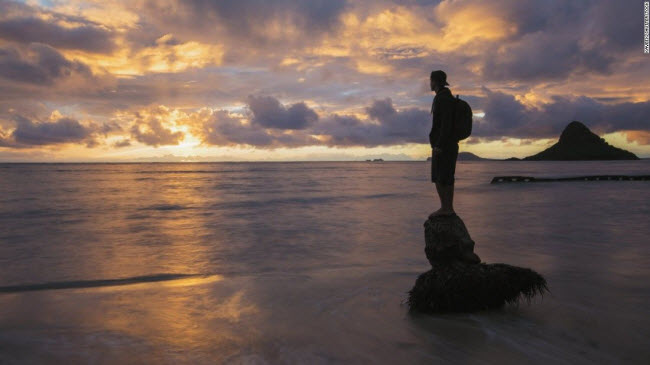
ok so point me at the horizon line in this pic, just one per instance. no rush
(284, 161)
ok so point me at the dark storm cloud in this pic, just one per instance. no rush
(554, 39)
(385, 126)
(243, 15)
(268, 112)
(83, 37)
(616, 25)
(348, 130)
(251, 21)
(507, 117)
(401, 126)
(62, 130)
(224, 129)
(409, 125)
(38, 64)
(611, 25)
(502, 113)
(539, 57)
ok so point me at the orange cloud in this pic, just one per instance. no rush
(471, 24)
(400, 32)
(156, 127)
(167, 55)
(640, 137)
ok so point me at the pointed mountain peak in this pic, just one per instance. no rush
(577, 142)
(578, 132)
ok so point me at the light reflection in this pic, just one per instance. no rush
(171, 283)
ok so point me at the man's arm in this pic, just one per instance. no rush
(434, 128)
(432, 137)
(446, 111)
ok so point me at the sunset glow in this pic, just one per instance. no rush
(171, 80)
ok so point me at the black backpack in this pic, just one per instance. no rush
(462, 119)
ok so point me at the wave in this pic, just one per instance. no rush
(165, 207)
(75, 284)
(307, 200)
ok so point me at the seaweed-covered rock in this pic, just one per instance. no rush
(458, 281)
(446, 238)
(463, 287)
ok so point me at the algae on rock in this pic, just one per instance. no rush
(458, 281)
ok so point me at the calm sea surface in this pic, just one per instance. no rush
(311, 263)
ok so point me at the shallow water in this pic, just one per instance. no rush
(311, 263)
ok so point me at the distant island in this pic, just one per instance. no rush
(468, 156)
(577, 142)
(376, 160)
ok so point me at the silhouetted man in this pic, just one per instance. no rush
(443, 143)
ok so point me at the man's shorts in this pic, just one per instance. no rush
(443, 165)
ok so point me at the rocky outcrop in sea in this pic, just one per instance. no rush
(458, 281)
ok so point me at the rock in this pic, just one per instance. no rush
(458, 281)
(462, 287)
(446, 239)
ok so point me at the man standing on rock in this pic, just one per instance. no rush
(443, 143)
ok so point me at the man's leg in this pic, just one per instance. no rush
(447, 201)
(440, 193)
(449, 172)
(446, 195)
(445, 169)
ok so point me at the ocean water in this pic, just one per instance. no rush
(311, 262)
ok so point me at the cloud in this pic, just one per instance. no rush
(109, 127)
(410, 125)
(400, 126)
(384, 125)
(122, 143)
(355, 73)
(38, 64)
(268, 112)
(84, 37)
(640, 137)
(555, 39)
(165, 55)
(59, 131)
(506, 116)
(542, 56)
(223, 128)
(148, 128)
(253, 22)
(268, 124)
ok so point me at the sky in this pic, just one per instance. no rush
(296, 80)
